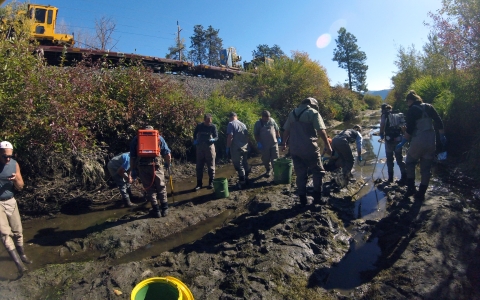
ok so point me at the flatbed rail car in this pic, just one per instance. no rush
(53, 54)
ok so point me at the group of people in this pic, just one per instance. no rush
(422, 121)
(301, 130)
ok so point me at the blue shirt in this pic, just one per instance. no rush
(121, 160)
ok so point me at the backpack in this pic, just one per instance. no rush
(393, 123)
(148, 143)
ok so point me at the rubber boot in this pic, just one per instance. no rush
(420, 195)
(156, 211)
(411, 190)
(303, 200)
(23, 257)
(128, 203)
(268, 173)
(164, 209)
(403, 180)
(210, 183)
(390, 177)
(241, 182)
(317, 198)
(18, 262)
(199, 185)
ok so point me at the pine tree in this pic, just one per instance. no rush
(350, 58)
(213, 46)
(198, 54)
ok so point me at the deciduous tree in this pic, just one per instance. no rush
(104, 28)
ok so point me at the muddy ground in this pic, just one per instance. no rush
(266, 246)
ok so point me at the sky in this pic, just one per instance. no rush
(149, 27)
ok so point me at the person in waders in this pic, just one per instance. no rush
(391, 134)
(119, 169)
(237, 146)
(204, 137)
(10, 222)
(267, 135)
(420, 120)
(151, 174)
(341, 145)
(302, 127)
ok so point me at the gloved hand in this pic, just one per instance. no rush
(382, 136)
(227, 150)
(400, 145)
(443, 139)
(211, 141)
(360, 158)
(195, 142)
(259, 146)
(279, 140)
(167, 165)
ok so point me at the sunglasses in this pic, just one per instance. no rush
(7, 156)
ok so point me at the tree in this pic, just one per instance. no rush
(350, 58)
(178, 51)
(409, 69)
(104, 28)
(457, 25)
(435, 60)
(198, 54)
(213, 45)
(264, 51)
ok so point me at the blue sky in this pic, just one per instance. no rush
(149, 27)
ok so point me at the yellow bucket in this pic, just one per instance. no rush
(161, 288)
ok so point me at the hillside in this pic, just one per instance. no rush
(382, 93)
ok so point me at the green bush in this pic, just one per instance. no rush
(372, 101)
(220, 106)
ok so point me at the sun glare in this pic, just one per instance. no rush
(323, 40)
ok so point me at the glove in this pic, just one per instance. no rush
(211, 141)
(382, 136)
(443, 140)
(259, 146)
(227, 150)
(360, 158)
(167, 165)
(279, 140)
(400, 145)
(195, 142)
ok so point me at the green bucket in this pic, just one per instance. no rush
(165, 288)
(282, 170)
(221, 188)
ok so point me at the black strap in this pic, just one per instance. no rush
(298, 117)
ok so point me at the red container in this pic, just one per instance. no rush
(148, 143)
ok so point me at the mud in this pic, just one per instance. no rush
(261, 244)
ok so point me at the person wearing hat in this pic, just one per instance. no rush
(204, 137)
(10, 222)
(392, 136)
(267, 135)
(302, 128)
(119, 169)
(151, 174)
(237, 146)
(420, 120)
(341, 145)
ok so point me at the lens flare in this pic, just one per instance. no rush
(324, 40)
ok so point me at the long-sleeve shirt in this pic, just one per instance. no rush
(203, 133)
(415, 113)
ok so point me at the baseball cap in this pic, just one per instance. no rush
(6, 145)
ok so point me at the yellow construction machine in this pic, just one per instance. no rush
(44, 19)
(41, 20)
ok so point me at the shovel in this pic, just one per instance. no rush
(171, 182)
